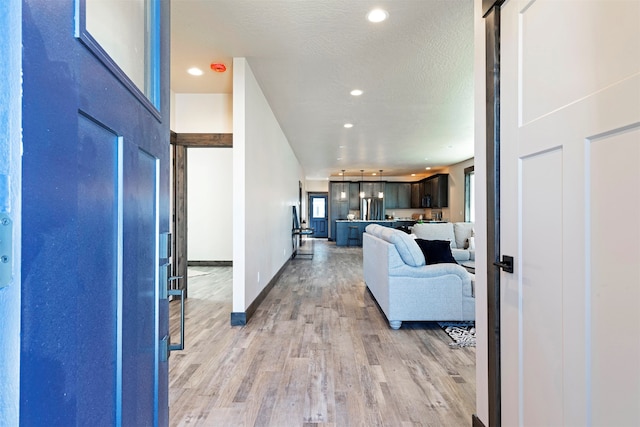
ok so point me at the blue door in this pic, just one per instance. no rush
(95, 197)
(318, 214)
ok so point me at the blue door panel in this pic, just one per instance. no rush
(97, 274)
(139, 306)
(50, 240)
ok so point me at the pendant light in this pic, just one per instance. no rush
(361, 182)
(380, 193)
(343, 194)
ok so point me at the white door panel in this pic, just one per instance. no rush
(570, 139)
(613, 256)
(541, 288)
(568, 50)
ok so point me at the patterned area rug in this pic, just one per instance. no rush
(463, 334)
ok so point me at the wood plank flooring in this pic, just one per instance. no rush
(317, 352)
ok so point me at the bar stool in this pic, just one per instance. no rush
(353, 236)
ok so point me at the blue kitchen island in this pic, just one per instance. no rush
(343, 228)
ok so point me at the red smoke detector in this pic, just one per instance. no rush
(218, 68)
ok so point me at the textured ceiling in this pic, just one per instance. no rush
(416, 71)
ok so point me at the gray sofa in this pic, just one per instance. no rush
(408, 290)
(459, 234)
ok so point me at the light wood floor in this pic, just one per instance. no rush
(318, 351)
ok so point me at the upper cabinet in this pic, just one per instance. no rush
(398, 195)
(338, 189)
(431, 192)
(372, 188)
(354, 196)
(436, 191)
(417, 194)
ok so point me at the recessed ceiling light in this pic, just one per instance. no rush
(373, 174)
(428, 168)
(377, 15)
(356, 92)
(348, 125)
(413, 174)
(195, 71)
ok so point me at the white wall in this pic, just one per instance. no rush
(265, 187)
(312, 186)
(203, 113)
(172, 111)
(209, 175)
(317, 186)
(455, 211)
(480, 170)
(209, 203)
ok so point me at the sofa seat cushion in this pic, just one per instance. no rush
(436, 251)
(436, 231)
(461, 255)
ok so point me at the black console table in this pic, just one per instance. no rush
(297, 234)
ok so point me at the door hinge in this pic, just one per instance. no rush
(6, 250)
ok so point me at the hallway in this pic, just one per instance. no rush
(318, 351)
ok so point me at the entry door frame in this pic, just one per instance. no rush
(10, 206)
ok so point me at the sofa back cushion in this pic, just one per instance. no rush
(462, 231)
(436, 231)
(405, 245)
(373, 229)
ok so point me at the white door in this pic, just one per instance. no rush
(570, 209)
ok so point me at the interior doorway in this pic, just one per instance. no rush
(179, 144)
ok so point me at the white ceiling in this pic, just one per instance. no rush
(415, 68)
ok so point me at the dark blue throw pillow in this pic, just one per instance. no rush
(436, 251)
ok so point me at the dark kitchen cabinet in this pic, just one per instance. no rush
(417, 194)
(391, 195)
(338, 207)
(404, 195)
(370, 189)
(436, 191)
(397, 195)
(354, 196)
